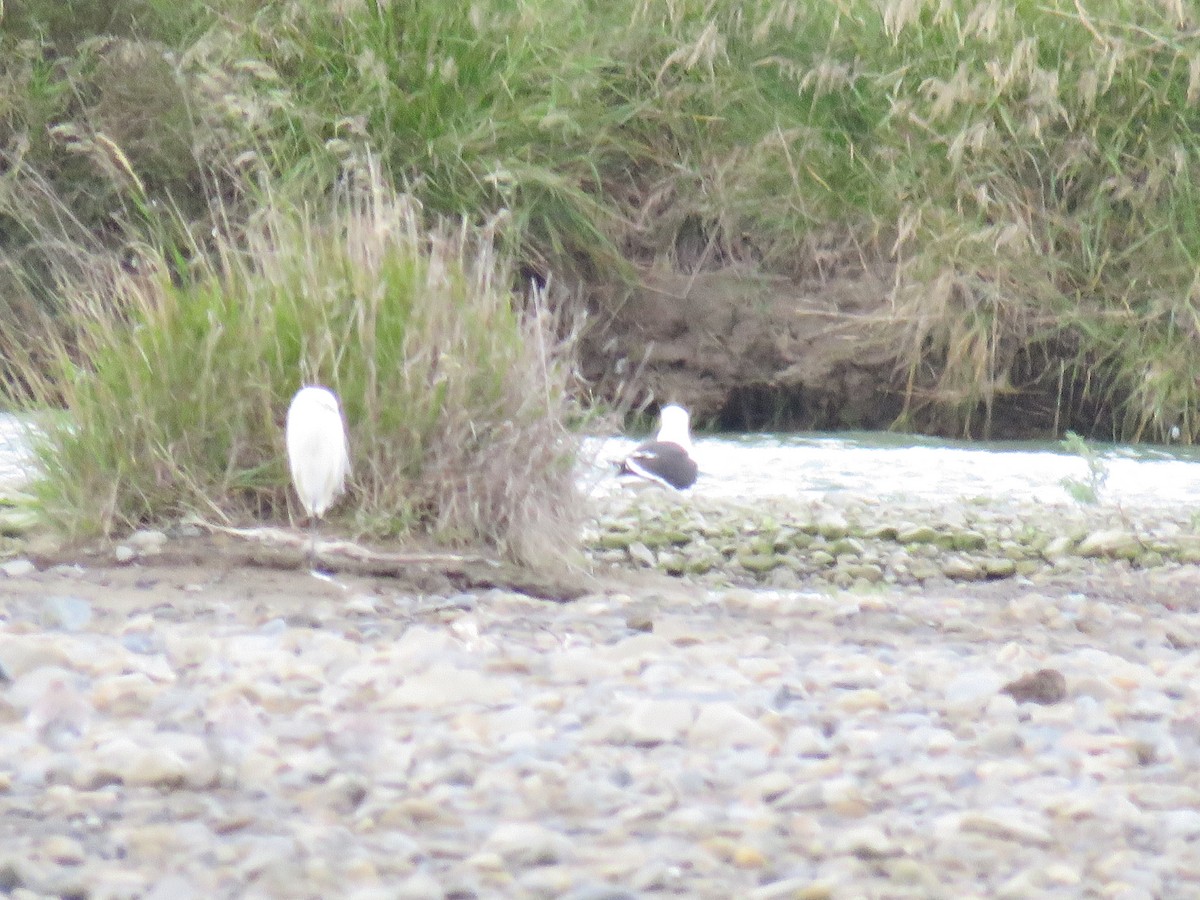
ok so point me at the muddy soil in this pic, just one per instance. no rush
(747, 351)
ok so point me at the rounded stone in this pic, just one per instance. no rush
(522, 844)
(917, 534)
(961, 569)
(17, 568)
(758, 562)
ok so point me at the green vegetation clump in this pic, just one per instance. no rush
(1085, 491)
(176, 388)
(1024, 174)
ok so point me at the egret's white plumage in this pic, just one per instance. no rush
(318, 450)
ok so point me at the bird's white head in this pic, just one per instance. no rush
(673, 426)
(315, 397)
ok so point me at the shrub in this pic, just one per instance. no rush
(176, 388)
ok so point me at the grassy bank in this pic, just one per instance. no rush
(1027, 171)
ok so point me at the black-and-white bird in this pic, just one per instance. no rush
(667, 459)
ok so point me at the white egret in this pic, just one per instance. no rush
(318, 452)
(667, 459)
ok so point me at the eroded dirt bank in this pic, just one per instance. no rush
(745, 350)
(829, 351)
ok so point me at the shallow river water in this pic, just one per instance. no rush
(897, 468)
(900, 468)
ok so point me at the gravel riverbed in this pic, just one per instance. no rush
(827, 721)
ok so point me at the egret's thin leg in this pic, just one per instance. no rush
(312, 546)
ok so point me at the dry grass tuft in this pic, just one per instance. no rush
(176, 380)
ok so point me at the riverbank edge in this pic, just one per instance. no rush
(848, 543)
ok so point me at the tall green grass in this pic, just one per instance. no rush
(175, 388)
(1024, 173)
(1046, 195)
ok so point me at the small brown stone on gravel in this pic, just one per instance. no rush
(1044, 686)
(640, 622)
